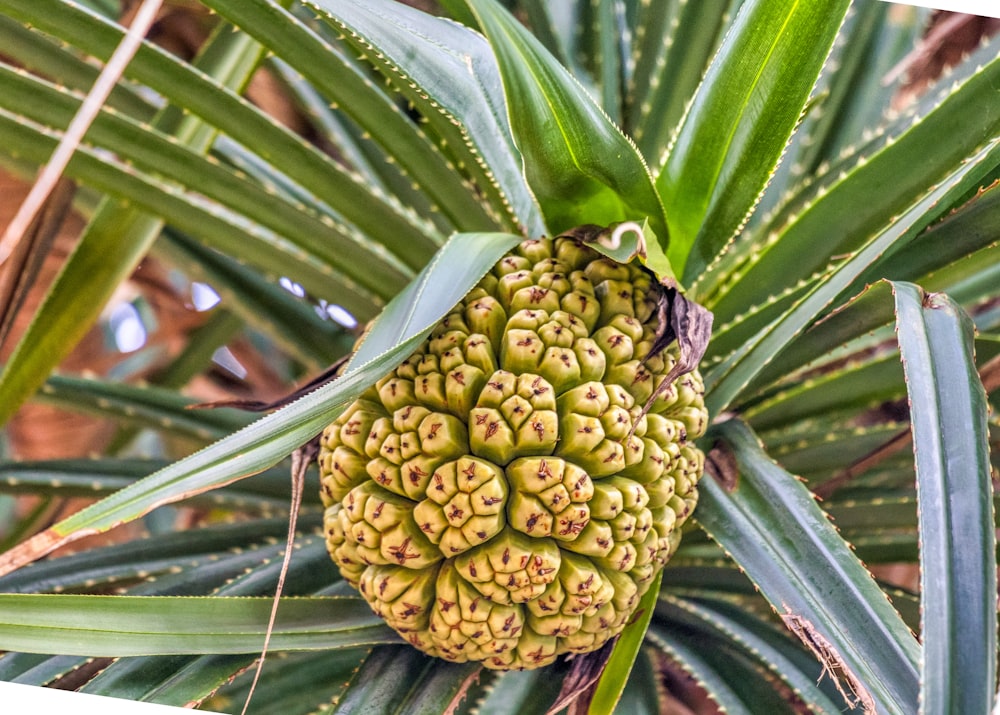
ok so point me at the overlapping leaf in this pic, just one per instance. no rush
(407, 319)
(809, 574)
(148, 625)
(739, 122)
(804, 377)
(450, 73)
(119, 231)
(580, 166)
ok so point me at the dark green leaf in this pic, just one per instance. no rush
(855, 386)
(758, 642)
(37, 669)
(143, 405)
(343, 82)
(152, 556)
(772, 527)
(958, 569)
(863, 192)
(385, 681)
(291, 683)
(673, 45)
(526, 692)
(726, 380)
(698, 663)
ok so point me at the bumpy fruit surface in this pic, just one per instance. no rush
(485, 497)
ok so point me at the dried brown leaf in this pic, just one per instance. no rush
(720, 462)
(833, 663)
(579, 684)
(301, 459)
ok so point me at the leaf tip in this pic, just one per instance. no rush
(42, 543)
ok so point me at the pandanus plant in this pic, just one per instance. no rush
(537, 209)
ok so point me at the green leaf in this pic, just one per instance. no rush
(37, 669)
(826, 339)
(673, 45)
(853, 96)
(263, 304)
(156, 556)
(459, 264)
(377, 215)
(346, 84)
(726, 380)
(39, 53)
(580, 166)
(716, 574)
(703, 668)
(213, 223)
(98, 477)
(868, 77)
(142, 405)
(958, 569)
(144, 678)
(642, 694)
(292, 684)
(526, 692)
(113, 244)
(855, 386)
(822, 450)
(873, 508)
(756, 641)
(863, 191)
(739, 122)
(163, 625)
(394, 680)
(450, 75)
(610, 54)
(961, 234)
(152, 151)
(455, 270)
(772, 527)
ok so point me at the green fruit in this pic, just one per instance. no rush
(500, 496)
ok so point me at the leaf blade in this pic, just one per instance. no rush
(574, 156)
(460, 92)
(727, 379)
(957, 540)
(113, 244)
(742, 116)
(458, 266)
(806, 570)
(113, 626)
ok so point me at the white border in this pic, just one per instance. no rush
(987, 8)
(18, 698)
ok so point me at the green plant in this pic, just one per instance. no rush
(447, 148)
